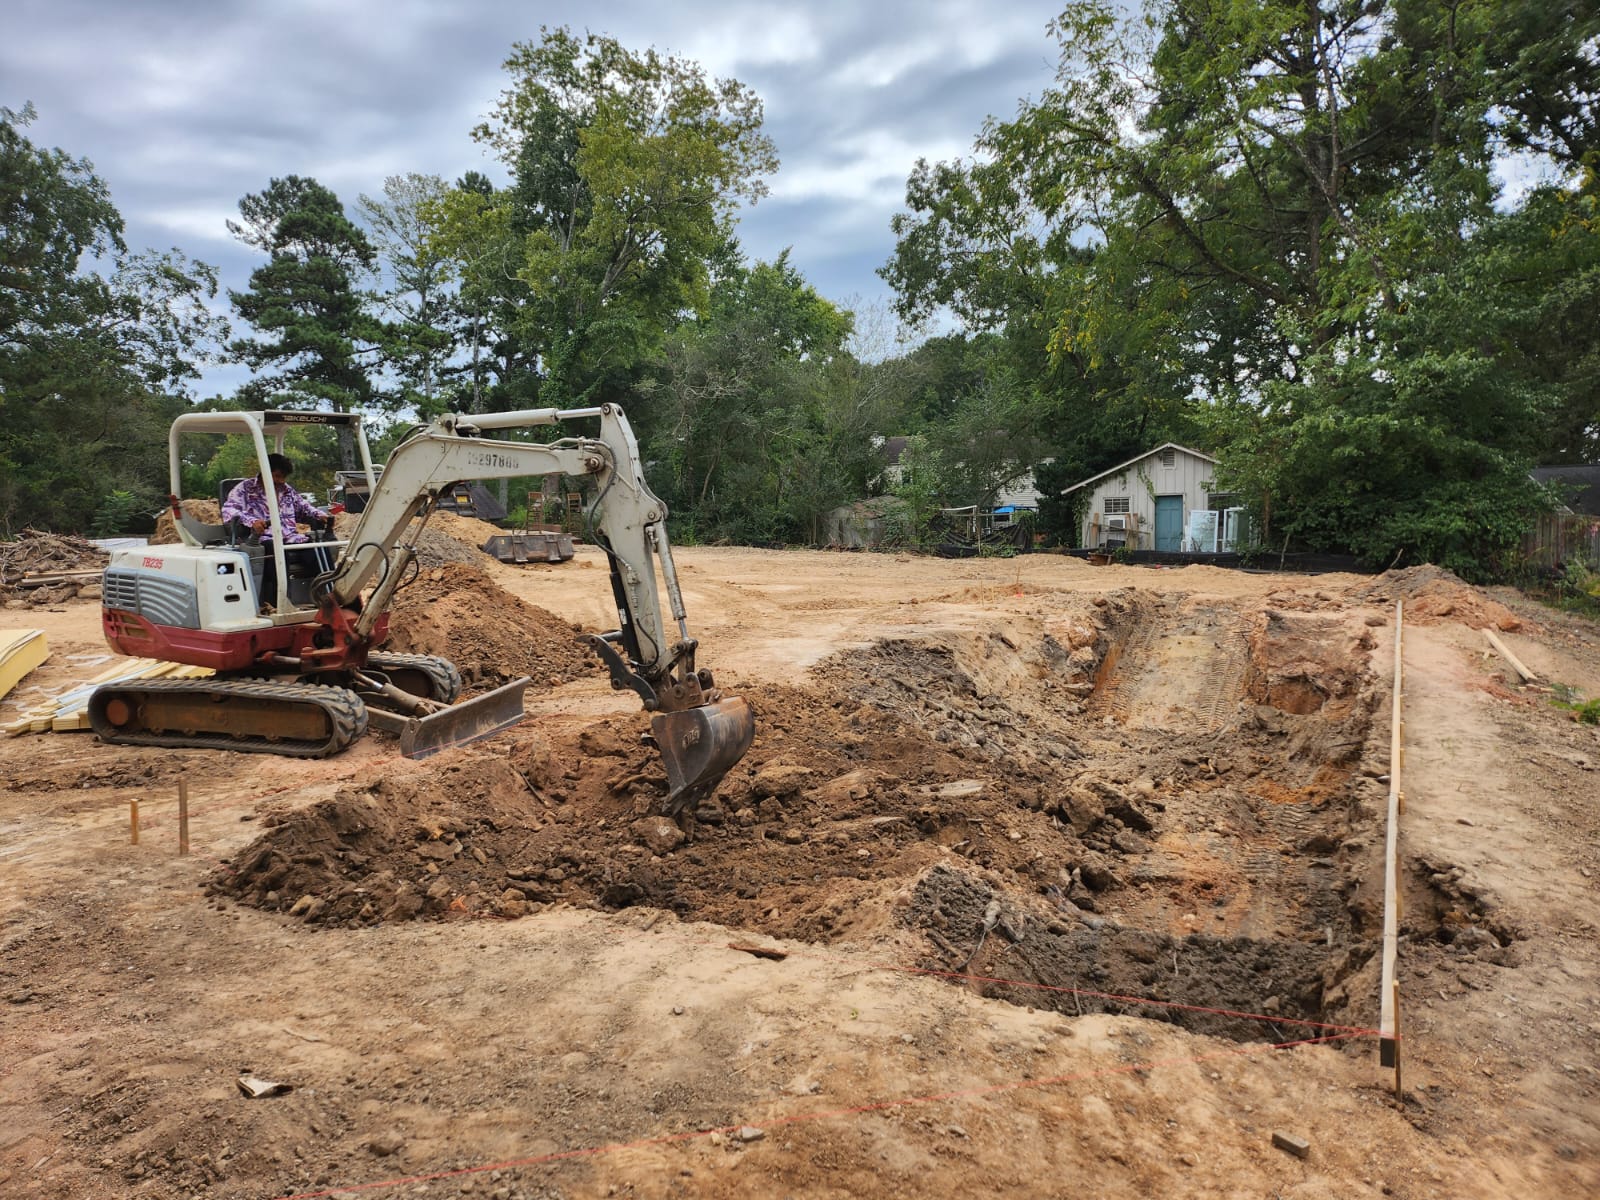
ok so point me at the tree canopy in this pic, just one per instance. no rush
(1281, 225)
(1349, 247)
(97, 343)
(626, 169)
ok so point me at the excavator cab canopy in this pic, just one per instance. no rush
(266, 429)
(261, 427)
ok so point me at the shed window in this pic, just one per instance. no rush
(1169, 458)
(1116, 504)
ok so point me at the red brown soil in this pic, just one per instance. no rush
(457, 612)
(1087, 792)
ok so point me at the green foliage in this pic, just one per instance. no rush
(127, 512)
(920, 489)
(759, 419)
(314, 333)
(1271, 230)
(1585, 711)
(627, 168)
(418, 337)
(93, 360)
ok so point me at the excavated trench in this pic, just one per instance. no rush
(1127, 799)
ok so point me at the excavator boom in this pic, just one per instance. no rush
(198, 607)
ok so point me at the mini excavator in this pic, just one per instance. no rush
(306, 678)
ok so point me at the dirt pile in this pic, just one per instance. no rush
(457, 612)
(166, 532)
(469, 531)
(1433, 595)
(1208, 855)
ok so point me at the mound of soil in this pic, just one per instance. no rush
(1433, 595)
(457, 612)
(469, 531)
(166, 532)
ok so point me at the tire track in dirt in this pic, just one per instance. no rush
(1184, 676)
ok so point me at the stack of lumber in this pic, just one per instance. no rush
(69, 711)
(21, 650)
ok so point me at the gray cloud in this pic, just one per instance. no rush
(184, 108)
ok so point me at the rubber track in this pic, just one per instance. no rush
(347, 715)
(446, 679)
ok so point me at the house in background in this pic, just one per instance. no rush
(1572, 532)
(1581, 485)
(1161, 500)
(1016, 494)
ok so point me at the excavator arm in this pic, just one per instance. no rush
(700, 734)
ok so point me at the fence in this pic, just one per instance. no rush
(1562, 539)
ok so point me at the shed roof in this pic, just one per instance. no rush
(1582, 483)
(1139, 458)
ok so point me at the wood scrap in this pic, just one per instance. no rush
(36, 552)
(56, 579)
(1505, 651)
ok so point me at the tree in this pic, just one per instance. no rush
(420, 336)
(1258, 218)
(750, 414)
(314, 331)
(93, 366)
(627, 167)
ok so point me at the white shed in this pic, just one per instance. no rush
(1146, 503)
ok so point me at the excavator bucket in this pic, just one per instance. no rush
(464, 722)
(699, 746)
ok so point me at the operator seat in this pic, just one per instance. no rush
(242, 537)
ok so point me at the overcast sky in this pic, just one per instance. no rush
(184, 108)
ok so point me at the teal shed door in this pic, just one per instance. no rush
(1169, 523)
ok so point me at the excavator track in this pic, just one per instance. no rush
(406, 671)
(293, 719)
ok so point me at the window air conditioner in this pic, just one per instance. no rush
(1117, 522)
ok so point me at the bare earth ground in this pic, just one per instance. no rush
(498, 973)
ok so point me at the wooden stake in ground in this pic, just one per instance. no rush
(183, 817)
(133, 819)
(1399, 1091)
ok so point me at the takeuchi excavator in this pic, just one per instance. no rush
(308, 678)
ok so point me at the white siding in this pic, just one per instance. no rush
(1141, 482)
(1020, 490)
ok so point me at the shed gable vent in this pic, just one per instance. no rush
(1169, 458)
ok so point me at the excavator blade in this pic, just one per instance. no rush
(464, 722)
(699, 746)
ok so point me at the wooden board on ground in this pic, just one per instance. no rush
(69, 712)
(21, 650)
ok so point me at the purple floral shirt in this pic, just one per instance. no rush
(248, 502)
